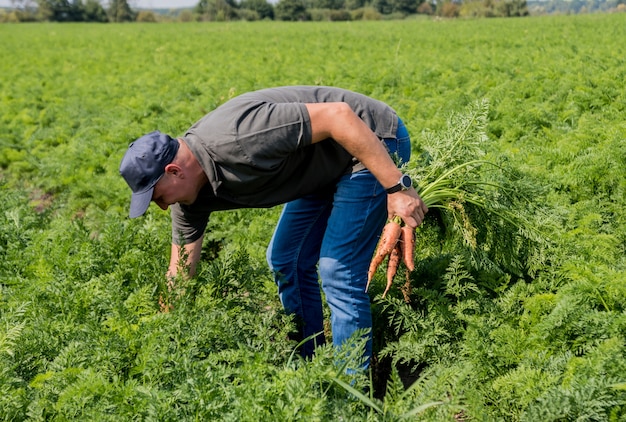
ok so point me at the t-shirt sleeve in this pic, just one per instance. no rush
(187, 225)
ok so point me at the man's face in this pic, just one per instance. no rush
(171, 189)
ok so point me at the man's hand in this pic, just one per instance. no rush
(192, 252)
(408, 205)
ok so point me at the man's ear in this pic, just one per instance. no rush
(174, 170)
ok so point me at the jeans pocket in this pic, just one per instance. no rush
(399, 147)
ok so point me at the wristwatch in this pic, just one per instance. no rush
(404, 183)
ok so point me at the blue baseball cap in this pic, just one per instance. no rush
(144, 164)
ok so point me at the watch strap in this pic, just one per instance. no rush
(394, 188)
(404, 183)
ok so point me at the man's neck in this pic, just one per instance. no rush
(192, 166)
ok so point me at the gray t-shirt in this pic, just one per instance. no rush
(256, 151)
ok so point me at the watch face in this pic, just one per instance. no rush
(405, 181)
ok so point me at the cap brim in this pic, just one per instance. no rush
(139, 202)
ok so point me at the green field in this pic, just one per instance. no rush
(537, 334)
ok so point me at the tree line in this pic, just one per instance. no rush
(70, 11)
(293, 10)
(285, 10)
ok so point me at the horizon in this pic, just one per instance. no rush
(142, 4)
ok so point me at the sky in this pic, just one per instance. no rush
(157, 4)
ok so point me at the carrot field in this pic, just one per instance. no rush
(515, 311)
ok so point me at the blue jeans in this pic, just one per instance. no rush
(335, 233)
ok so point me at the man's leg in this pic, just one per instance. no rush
(358, 215)
(292, 255)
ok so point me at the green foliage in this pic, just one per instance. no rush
(490, 8)
(264, 9)
(485, 206)
(291, 10)
(395, 406)
(215, 10)
(120, 11)
(101, 346)
(516, 310)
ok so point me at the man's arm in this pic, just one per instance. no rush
(192, 251)
(339, 122)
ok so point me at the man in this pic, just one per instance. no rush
(326, 153)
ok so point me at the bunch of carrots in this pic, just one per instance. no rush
(453, 175)
(397, 241)
(449, 193)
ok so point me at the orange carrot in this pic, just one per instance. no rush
(388, 240)
(392, 266)
(408, 247)
(407, 288)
